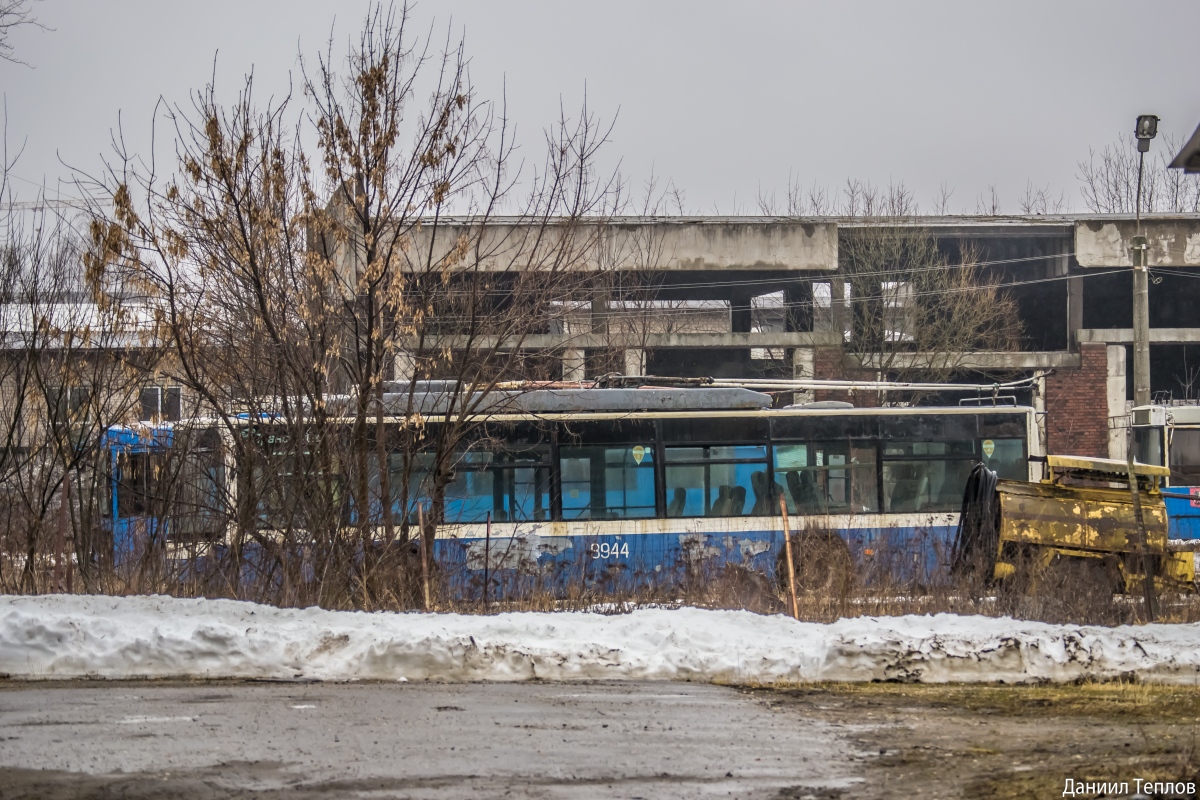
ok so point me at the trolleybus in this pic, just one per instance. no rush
(621, 488)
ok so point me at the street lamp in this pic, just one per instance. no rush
(1145, 130)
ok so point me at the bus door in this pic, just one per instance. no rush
(1183, 500)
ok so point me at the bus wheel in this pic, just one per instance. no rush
(823, 566)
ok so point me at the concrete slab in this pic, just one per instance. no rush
(412, 740)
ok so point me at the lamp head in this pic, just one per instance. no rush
(1145, 130)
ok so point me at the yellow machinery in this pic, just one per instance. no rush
(1082, 514)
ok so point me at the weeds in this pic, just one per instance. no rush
(283, 579)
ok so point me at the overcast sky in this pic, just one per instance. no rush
(721, 98)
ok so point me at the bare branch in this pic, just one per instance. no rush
(14, 14)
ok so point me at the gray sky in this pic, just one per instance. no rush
(721, 98)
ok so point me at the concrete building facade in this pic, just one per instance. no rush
(738, 297)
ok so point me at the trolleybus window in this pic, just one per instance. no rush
(1006, 457)
(292, 487)
(746, 429)
(1185, 455)
(607, 482)
(199, 502)
(511, 486)
(607, 469)
(925, 476)
(718, 481)
(1147, 445)
(928, 427)
(419, 466)
(826, 428)
(828, 477)
(1002, 426)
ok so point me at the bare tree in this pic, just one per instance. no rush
(1040, 200)
(857, 198)
(989, 204)
(74, 354)
(14, 14)
(799, 201)
(297, 285)
(941, 204)
(628, 290)
(915, 313)
(1109, 180)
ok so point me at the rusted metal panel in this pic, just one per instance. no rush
(1084, 518)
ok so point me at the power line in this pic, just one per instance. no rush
(841, 276)
(845, 302)
(832, 276)
(47, 205)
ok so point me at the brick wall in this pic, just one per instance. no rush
(1077, 406)
(828, 365)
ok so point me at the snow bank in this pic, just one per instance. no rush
(62, 636)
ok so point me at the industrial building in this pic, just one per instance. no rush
(753, 297)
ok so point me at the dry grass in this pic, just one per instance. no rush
(1007, 742)
(1115, 701)
(577, 586)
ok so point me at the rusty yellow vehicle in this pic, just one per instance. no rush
(1081, 517)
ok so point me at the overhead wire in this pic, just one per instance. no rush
(1161, 273)
(807, 278)
(834, 275)
(843, 302)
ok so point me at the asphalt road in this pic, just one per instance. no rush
(268, 740)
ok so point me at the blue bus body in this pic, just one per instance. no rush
(144, 459)
(628, 557)
(614, 502)
(1183, 512)
(130, 448)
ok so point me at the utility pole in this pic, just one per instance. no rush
(1147, 128)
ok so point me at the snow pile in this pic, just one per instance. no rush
(62, 636)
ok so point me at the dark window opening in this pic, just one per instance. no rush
(161, 404)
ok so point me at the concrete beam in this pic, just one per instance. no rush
(1125, 335)
(638, 244)
(1105, 242)
(983, 359)
(653, 341)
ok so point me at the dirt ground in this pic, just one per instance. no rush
(1005, 742)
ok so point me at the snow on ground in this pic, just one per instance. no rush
(68, 636)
